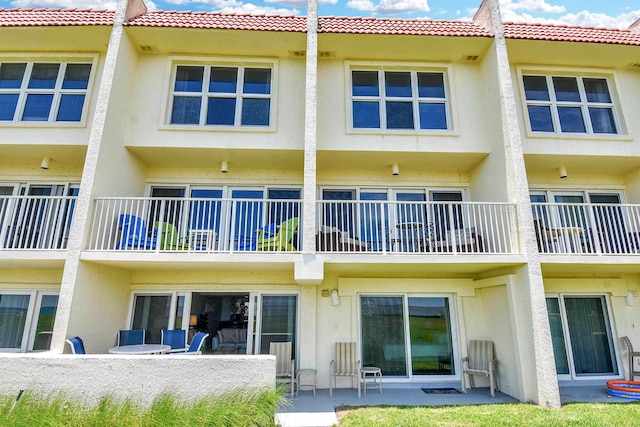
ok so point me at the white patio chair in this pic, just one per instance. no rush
(285, 364)
(344, 365)
(480, 361)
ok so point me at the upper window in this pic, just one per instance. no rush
(399, 100)
(221, 96)
(43, 92)
(564, 104)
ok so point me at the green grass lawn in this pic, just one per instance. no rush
(576, 414)
(230, 410)
(242, 409)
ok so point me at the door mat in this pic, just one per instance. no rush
(441, 390)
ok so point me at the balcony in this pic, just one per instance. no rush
(587, 229)
(416, 227)
(242, 225)
(196, 225)
(35, 222)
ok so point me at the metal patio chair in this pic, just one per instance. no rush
(76, 344)
(176, 338)
(480, 361)
(344, 365)
(633, 356)
(285, 364)
(131, 337)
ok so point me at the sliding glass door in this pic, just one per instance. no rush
(26, 320)
(14, 310)
(153, 312)
(276, 321)
(582, 336)
(408, 335)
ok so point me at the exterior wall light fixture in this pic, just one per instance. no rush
(44, 164)
(335, 298)
(630, 298)
(224, 166)
(395, 169)
(563, 171)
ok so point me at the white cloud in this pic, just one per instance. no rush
(390, 7)
(364, 5)
(540, 6)
(289, 3)
(66, 4)
(298, 3)
(584, 18)
(176, 2)
(235, 6)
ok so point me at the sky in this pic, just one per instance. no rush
(593, 13)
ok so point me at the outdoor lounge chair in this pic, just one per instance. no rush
(176, 338)
(285, 364)
(344, 365)
(633, 356)
(282, 240)
(195, 348)
(480, 361)
(131, 337)
(76, 344)
(331, 239)
(134, 234)
(169, 238)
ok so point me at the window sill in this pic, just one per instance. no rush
(387, 132)
(191, 128)
(579, 137)
(35, 124)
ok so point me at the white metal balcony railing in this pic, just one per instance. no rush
(416, 227)
(196, 225)
(238, 225)
(592, 229)
(35, 222)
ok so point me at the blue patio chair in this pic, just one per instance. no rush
(76, 344)
(197, 343)
(134, 233)
(250, 243)
(131, 337)
(176, 338)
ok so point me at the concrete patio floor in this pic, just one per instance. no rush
(307, 410)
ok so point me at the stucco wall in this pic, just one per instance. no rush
(142, 378)
(100, 305)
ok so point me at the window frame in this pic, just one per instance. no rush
(32, 316)
(414, 69)
(57, 91)
(454, 332)
(616, 358)
(584, 105)
(205, 95)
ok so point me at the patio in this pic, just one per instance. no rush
(306, 410)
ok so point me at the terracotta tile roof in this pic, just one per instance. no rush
(217, 20)
(570, 34)
(421, 27)
(54, 17)
(326, 24)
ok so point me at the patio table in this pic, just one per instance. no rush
(140, 349)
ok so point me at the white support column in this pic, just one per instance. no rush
(310, 127)
(539, 376)
(309, 270)
(82, 210)
(307, 333)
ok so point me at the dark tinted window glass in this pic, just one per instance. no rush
(365, 83)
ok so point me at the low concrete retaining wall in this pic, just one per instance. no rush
(88, 378)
